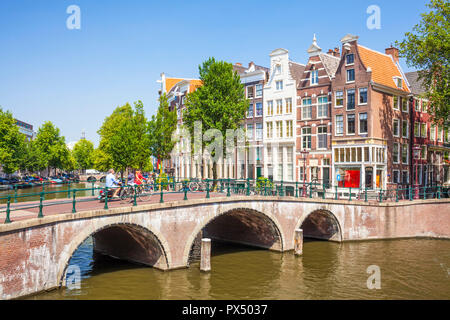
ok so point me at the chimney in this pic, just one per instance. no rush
(336, 52)
(330, 52)
(238, 64)
(393, 52)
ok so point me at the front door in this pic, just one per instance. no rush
(258, 172)
(326, 177)
(369, 178)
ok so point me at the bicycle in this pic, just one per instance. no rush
(143, 193)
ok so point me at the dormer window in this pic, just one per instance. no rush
(398, 82)
(314, 77)
(350, 58)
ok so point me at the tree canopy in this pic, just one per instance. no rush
(219, 103)
(427, 48)
(12, 143)
(83, 153)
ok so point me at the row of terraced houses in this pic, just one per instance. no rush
(349, 117)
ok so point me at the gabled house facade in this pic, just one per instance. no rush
(313, 129)
(280, 115)
(370, 118)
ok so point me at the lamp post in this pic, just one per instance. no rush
(416, 150)
(305, 155)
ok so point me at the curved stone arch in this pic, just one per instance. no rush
(91, 229)
(330, 214)
(222, 211)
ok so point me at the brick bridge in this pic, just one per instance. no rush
(35, 253)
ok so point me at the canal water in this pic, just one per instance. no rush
(409, 269)
(53, 191)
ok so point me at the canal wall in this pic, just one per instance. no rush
(35, 253)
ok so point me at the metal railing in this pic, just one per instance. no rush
(161, 188)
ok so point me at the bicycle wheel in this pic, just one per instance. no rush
(125, 196)
(144, 193)
(193, 186)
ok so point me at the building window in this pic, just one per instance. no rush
(322, 107)
(416, 129)
(259, 109)
(350, 75)
(250, 92)
(404, 129)
(301, 174)
(416, 105)
(446, 134)
(250, 111)
(270, 108)
(396, 128)
(289, 105)
(350, 124)
(280, 163)
(350, 58)
(290, 161)
(433, 132)
(306, 138)
(405, 177)
(259, 131)
(307, 109)
(289, 129)
(250, 131)
(396, 176)
(405, 105)
(339, 124)
(396, 102)
(363, 123)
(339, 99)
(278, 69)
(424, 105)
(424, 130)
(279, 129)
(279, 106)
(269, 130)
(423, 152)
(405, 153)
(322, 137)
(258, 152)
(395, 153)
(399, 82)
(259, 90)
(314, 77)
(279, 85)
(363, 96)
(351, 99)
(439, 134)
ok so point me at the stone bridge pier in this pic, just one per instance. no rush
(35, 253)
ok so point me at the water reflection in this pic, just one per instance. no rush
(410, 269)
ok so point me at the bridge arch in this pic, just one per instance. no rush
(137, 233)
(265, 228)
(321, 224)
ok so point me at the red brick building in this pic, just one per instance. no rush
(314, 129)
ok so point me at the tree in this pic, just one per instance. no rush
(51, 146)
(427, 48)
(32, 160)
(161, 128)
(124, 141)
(83, 152)
(219, 104)
(12, 143)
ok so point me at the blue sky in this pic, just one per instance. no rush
(75, 78)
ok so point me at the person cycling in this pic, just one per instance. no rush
(139, 178)
(112, 183)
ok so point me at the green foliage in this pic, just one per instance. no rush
(32, 159)
(83, 152)
(70, 163)
(427, 48)
(51, 146)
(161, 128)
(262, 183)
(124, 140)
(12, 143)
(219, 103)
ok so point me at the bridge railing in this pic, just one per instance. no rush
(163, 189)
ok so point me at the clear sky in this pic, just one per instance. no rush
(75, 78)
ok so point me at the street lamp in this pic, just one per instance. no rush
(416, 150)
(305, 155)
